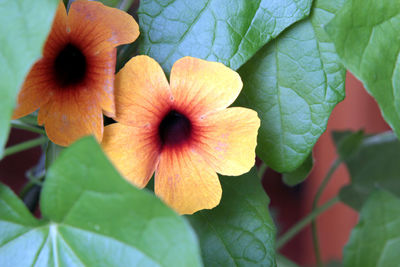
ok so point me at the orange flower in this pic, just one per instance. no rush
(183, 130)
(74, 80)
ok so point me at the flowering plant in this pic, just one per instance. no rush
(180, 97)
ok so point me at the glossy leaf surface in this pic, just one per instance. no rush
(366, 36)
(239, 231)
(228, 31)
(293, 83)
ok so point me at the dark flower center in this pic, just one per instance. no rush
(70, 65)
(174, 129)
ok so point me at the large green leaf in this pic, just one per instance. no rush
(375, 241)
(93, 217)
(366, 36)
(239, 231)
(374, 164)
(24, 25)
(293, 83)
(228, 31)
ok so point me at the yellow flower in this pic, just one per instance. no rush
(74, 80)
(182, 131)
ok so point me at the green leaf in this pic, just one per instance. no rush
(227, 31)
(24, 25)
(374, 165)
(93, 217)
(366, 36)
(375, 241)
(347, 143)
(121, 4)
(300, 174)
(293, 83)
(239, 231)
(282, 261)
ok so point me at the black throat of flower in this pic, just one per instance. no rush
(174, 129)
(70, 65)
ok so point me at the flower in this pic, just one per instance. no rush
(182, 131)
(74, 80)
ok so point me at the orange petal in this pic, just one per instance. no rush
(36, 90)
(132, 150)
(186, 182)
(100, 26)
(200, 86)
(71, 114)
(58, 36)
(227, 140)
(142, 93)
(101, 79)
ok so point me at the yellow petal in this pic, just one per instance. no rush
(227, 140)
(200, 86)
(142, 94)
(132, 150)
(186, 182)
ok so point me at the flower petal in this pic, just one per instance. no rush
(58, 36)
(100, 26)
(132, 150)
(101, 79)
(70, 115)
(186, 182)
(142, 93)
(200, 86)
(227, 140)
(36, 90)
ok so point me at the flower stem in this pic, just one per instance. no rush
(24, 146)
(261, 170)
(321, 189)
(304, 222)
(27, 127)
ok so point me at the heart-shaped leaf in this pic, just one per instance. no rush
(93, 217)
(239, 231)
(228, 31)
(366, 36)
(24, 26)
(293, 83)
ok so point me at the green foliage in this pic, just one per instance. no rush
(121, 4)
(374, 164)
(239, 231)
(24, 26)
(293, 83)
(218, 30)
(93, 217)
(366, 36)
(300, 174)
(375, 241)
(284, 262)
(347, 143)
